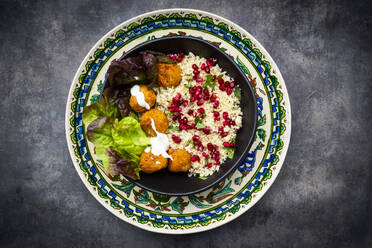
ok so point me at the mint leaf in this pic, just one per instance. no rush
(238, 93)
(230, 152)
(199, 125)
(197, 120)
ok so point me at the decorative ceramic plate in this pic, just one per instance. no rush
(233, 196)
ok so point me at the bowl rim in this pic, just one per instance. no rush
(248, 146)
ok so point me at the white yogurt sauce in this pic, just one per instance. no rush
(160, 143)
(140, 97)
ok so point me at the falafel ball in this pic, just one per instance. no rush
(150, 163)
(150, 98)
(160, 119)
(181, 160)
(169, 75)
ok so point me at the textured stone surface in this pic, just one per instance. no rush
(320, 198)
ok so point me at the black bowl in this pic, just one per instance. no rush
(177, 184)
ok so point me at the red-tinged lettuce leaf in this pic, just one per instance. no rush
(149, 62)
(117, 163)
(99, 109)
(123, 106)
(126, 71)
(141, 69)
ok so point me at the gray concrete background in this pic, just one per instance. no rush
(322, 195)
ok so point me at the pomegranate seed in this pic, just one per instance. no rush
(226, 123)
(184, 120)
(217, 118)
(176, 139)
(183, 126)
(174, 117)
(195, 137)
(223, 134)
(193, 126)
(196, 72)
(195, 77)
(217, 152)
(195, 158)
(197, 142)
(205, 155)
(202, 66)
(213, 97)
(207, 69)
(213, 156)
(212, 61)
(233, 123)
(179, 59)
(199, 96)
(200, 102)
(215, 113)
(232, 84)
(214, 147)
(223, 88)
(214, 77)
(216, 104)
(199, 80)
(190, 112)
(201, 115)
(206, 92)
(195, 67)
(220, 129)
(192, 91)
(225, 115)
(200, 148)
(181, 55)
(220, 81)
(185, 103)
(205, 98)
(200, 110)
(206, 130)
(173, 109)
(209, 165)
(232, 144)
(209, 63)
(229, 91)
(210, 146)
(192, 99)
(216, 163)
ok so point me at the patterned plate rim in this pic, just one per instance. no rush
(257, 195)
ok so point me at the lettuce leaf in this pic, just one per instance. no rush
(99, 109)
(129, 136)
(135, 70)
(116, 163)
(99, 133)
(126, 71)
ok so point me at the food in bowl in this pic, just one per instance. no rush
(176, 111)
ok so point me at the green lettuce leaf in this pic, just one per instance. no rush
(99, 109)
(99, 133)
(129, 136)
